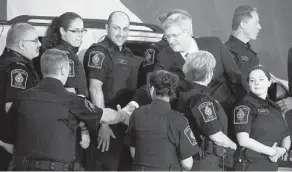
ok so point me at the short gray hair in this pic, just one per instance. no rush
(198, 65)
(17, 32)
(52, 60)
(182, 21)
(241, 13)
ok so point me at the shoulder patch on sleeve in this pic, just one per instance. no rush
(207, 111)
(189, 134)
(149, 57)
(91, 107)
(96, 59)
(18, 78)
(241, 114)
(72, 69)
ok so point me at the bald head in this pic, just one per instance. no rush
(118, 15)
(117, 27)
(17, 33)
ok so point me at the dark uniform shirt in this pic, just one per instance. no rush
(203, 111)
(115, 68)
(76, 78)
(46, 118)
(244, 56)
(227, 79)
(263, 121)
(161, 137)
(149, 60)
(206, 117)
(142, 96)
(16, 75)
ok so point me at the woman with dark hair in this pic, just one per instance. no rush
(66, 33)
(161, 139)
(260, 127)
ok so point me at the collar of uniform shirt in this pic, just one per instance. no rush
(194, 48)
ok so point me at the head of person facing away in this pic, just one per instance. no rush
(162, 84)
(117, 27)
(68, 27)
(259, 81)
(178, 31)
(199, 67)
(23, 38)
(245, 23)
(55, 64)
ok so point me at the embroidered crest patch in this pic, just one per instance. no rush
(91, 107)
(122, 61)
(241, 114)
(96, 59)
(19, 78)
(244, 58)
(149, 57)
(207, 111)
(72, 69)
(189, 134)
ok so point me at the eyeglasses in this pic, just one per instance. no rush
(34, 40)
(78, 31)
(175, 36)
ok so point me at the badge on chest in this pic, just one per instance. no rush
(263, 111)
(244, 58)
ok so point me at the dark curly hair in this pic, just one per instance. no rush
(164, 83)
(53, 37)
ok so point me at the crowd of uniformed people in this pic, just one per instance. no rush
(192, 104)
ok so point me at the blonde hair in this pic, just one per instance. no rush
(198, 65)
(53, 60)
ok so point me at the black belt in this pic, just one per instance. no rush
(22, 163)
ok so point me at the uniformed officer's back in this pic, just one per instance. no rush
(161, 139)
(45, 119)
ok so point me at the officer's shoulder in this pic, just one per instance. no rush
(17, 65)
(198, 99)
(177, 117)
(247, 101)
(96, 47)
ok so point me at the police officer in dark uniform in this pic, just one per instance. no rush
(227, 81)
(260, 126)
(110, 69)
(245, 27)
(46, 118)
(207, 118)
(66, 33)
(161, 138)
(16, 75)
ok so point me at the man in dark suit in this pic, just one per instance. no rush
(227, 83)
